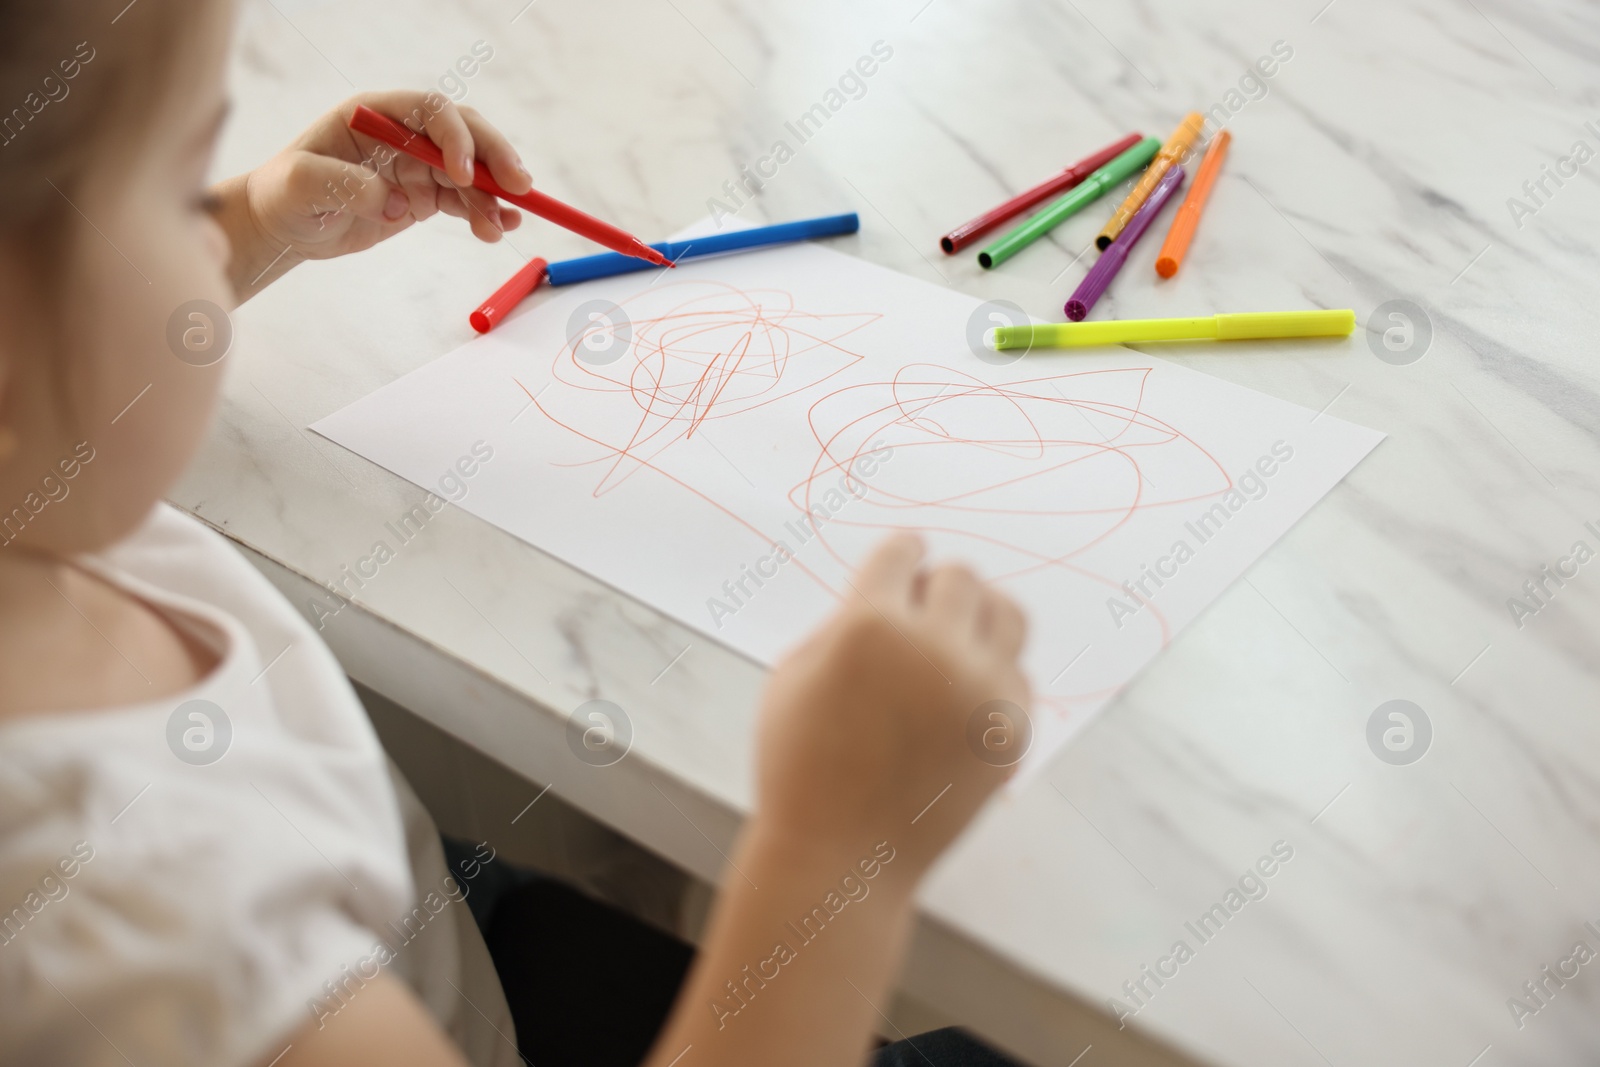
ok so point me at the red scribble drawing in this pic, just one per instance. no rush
(717, 353)
(1041, 472)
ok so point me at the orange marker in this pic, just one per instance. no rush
(1178, 145)
(1188, 216)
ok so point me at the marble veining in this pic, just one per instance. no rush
(1377, 164)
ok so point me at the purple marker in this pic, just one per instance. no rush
(1098, 279)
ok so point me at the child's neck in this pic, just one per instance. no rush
(72, 642)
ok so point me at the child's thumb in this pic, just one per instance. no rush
(332, 186)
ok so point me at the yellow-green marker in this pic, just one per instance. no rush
(1337, 322)
(1092, 189)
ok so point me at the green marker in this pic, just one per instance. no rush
(1092, 189)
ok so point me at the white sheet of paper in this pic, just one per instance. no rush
(676, 455)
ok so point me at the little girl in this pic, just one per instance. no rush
(287, 905)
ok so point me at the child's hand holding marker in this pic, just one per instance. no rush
(335, 191)
(867, 767)
(866, 724)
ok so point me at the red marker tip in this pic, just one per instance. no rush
(651, 255)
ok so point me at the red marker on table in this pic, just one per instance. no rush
(966, 233)
(382, 128)
(509, 295)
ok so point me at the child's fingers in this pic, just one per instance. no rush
(953, 595)
(886, 578)
(496, 152)
(442, 123)
(485, 216)
(481, 211)
(419, 114)
(416, 179)
(326, 185)
(462, 135)
(1006, 625)
(450, 203)
(447, 129)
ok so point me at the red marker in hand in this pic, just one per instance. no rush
(382, 128)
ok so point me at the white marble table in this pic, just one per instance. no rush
(1375, 164)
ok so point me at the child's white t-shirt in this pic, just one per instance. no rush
(157, 908)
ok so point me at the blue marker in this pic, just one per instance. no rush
(587, 268)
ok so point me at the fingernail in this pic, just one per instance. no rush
(466, 164)
(522, 170)
(396, 205)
